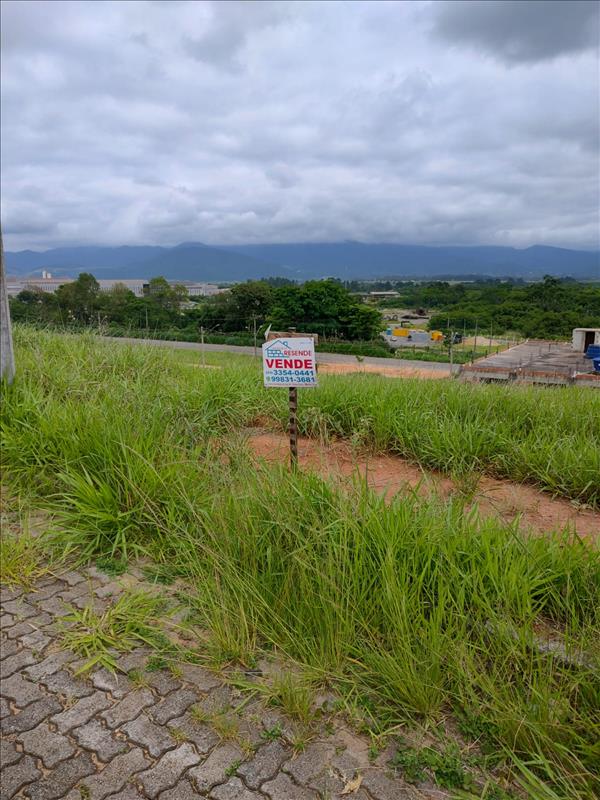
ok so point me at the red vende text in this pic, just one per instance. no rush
(289, 363)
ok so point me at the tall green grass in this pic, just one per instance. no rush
(414, 608)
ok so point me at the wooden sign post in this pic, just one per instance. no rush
(293, 398)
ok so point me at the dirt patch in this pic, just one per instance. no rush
(389, 474)
(400, 371)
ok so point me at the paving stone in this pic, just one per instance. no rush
(109, 590)
(31, 716)
(19, 630)
(128, 793)
(182, 791)
(107, 681)
(283, 788)
(201, 678)
(6, 620)
(81, 712)
(380, 787)
(62, 682)
(8, 753)
(9, 648)
(310, 763)
(4, 708)
(72, 577)
(168, 770)
(174, 705)
(162, 681)
(45, 592)
(203, 736)
(97, 605)
(115, 775)
(45, 581)
(264, 765)
(154, 738)
(16, 663)
(219, 700)
(128, 708)
(56, 606)
(234, 789)
(251, 733)
(93, 736)
(50, 665)
(51, 747)
(20, 609)
(21, 691)
(94, 572)
(57, 783)
(36, 640)
(135, 660)
(81, 590)
(276, 719)
(17, 776)
(212, 771)
(7, 594)
(41, 620)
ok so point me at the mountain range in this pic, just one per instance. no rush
(195, 261)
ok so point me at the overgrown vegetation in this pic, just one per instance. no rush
(130, 622)
(415, 609)
(23, 559)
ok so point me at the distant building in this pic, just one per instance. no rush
(46, 283)
(139, 286)
(200, 289)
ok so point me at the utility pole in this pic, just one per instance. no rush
(475, 342)
(7, 355)
(202, 343)
(451, 351)
(254, 325)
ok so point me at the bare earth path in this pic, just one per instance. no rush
(130, 738)
(389, 474)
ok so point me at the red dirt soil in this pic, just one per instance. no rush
(399, 371)
(390, 474)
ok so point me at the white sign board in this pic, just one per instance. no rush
(289, 361)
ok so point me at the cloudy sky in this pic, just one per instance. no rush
(234, 122)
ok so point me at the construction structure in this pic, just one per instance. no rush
(536, 361)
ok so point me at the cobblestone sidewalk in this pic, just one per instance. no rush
(108, 736)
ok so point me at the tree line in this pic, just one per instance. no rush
(547, 309)
(324, 307)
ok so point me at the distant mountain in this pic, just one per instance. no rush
(189, 261)
(79, 259)
(347, 260)
(357, 260)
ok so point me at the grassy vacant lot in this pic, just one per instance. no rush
(416, 612)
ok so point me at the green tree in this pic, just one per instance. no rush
(168, 297)
(79, 298)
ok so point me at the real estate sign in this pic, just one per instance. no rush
(289, 362)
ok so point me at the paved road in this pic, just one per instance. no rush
(134, 734)
(322, 358)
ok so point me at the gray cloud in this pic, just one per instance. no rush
(130, 122)
(520, 30)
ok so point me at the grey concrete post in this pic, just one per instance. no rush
(7, 356)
